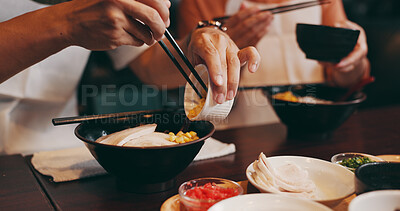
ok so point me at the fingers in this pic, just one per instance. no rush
(139, 32)
(251, 56)
(233, 63)
(156, 16)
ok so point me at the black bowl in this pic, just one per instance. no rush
(145, 169)
(377, 176)
(313, 121)
(325, 43)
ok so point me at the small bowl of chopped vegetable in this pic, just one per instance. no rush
(352, 160)
(201, 194)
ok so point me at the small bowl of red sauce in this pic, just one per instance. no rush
(200, 194)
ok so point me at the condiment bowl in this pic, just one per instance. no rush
(333, 182)
(145, 169)
(377, 176)
(313, 120)
(200, 194)
(341, 156)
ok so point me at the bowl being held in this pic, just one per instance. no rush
(144, 169)
(313, 120)
(325, 43)
(377, 176)
(200, 194)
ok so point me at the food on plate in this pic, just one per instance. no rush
(289, 96)
(355, 162)
(211, 191)
(182, 137)
(288, 178)
(197, 109)
(145, 136)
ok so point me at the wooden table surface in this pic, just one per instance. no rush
(374, 131)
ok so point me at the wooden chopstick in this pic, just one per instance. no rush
(172, 57)
(286, 8)
(183, 57)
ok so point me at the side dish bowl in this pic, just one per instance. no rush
(346, 155)
(376, 200)
(195, 203)
(313, 120)
(377, 176)
(145, 169)
(333, 182)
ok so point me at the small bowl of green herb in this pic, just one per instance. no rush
(352, 160)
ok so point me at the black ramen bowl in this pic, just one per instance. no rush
(325, 43)
(313, 120)
(377, 176)
(145, 169)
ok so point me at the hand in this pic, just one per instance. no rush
(354, 66)
(248, 26)
(223, 58)
(106, 24)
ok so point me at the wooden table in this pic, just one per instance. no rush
(373, 131)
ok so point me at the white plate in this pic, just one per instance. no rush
(265, 201)
(334, 182)
(382, 200)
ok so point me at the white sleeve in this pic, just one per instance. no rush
(123, 55)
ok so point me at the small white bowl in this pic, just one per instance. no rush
(339, 157)
(382, 200)
(267, 202)
(211, 110)
(333, 182)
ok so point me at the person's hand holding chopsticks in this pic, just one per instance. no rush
(248, 25)
(223, 58)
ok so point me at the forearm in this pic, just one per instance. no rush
(28, 39)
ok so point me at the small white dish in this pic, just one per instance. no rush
(382, 200)
(267, 202)
(211, 110)
(333, 182)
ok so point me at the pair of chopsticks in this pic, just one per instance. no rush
(286, 8)
(187, 62)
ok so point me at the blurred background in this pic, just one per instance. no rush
(104, 90)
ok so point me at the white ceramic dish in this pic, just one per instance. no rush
(267, 202)
(333, 182)
(382, 200)
(211, 111)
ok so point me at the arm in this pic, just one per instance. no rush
(95, 25)
(355, 66)
(207, 45)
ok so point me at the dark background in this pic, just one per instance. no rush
(379, 18)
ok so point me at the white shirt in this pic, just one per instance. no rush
(282, 63)
(30, 99)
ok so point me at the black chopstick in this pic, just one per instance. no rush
(80, 119)
(286, 8)
(183, 57)
(172, 57)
